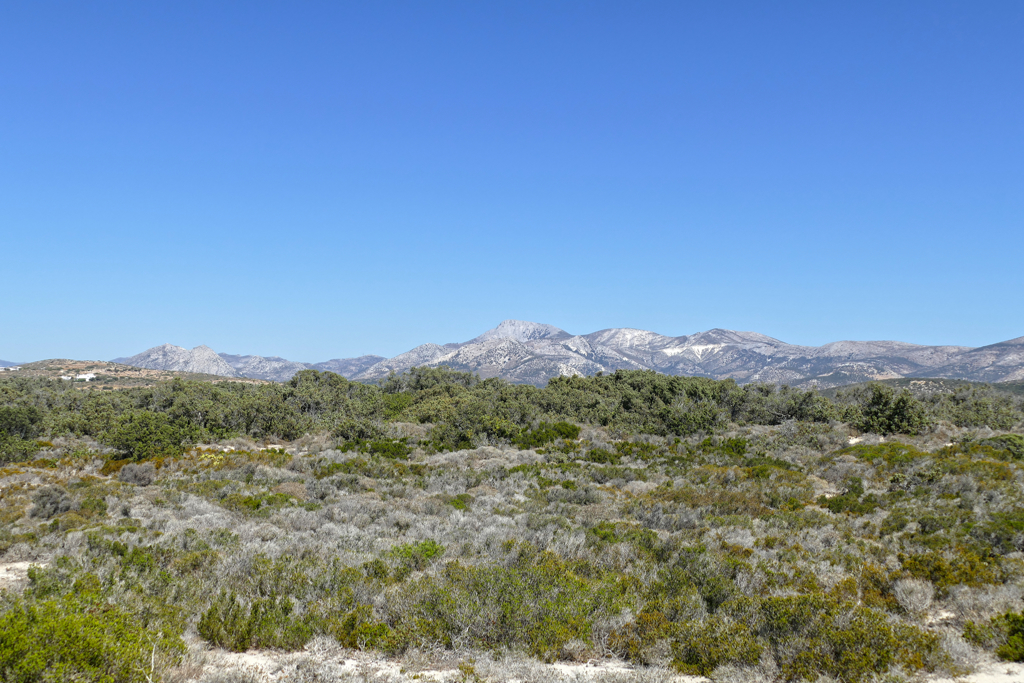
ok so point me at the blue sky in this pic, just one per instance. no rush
(319, 180)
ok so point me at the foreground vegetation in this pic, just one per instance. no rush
(674, 523)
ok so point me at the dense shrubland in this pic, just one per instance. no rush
(714, 529)
(462, 410)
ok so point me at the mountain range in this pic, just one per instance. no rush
(205, 360)
(533, 353)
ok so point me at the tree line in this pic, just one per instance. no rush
(463, 409)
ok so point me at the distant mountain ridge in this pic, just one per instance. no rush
(533, 353)
(205, 360)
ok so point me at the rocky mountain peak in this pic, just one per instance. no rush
(522, 331)
(201, 359)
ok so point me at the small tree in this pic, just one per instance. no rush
(141, 434)
(886, 412)
(20, 422)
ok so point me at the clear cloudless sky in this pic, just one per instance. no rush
(327, 179)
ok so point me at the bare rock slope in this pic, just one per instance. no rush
(201, 359)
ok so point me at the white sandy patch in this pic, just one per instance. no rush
(338, 664)
(14, 574)
(995, 672)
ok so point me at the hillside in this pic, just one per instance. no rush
(109, 375)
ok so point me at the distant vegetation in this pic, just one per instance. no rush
(742, 532)
(463, 410)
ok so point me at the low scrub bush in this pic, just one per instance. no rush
(1003, 633)
(78, 639)
(703, 646)
(141, 475)
(537, 602)
(270, 622)
(963, 566)
(546, 433)
(1013, 444)
(359, 629)
(411, 557)
(837, 637)
(395, 449)
(15, 449)
(50, 501)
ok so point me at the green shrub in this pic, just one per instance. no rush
(635, 640)
(886, 412)
(1004, 531)
(140, 435)
(260, 504)
(965, 566)
(461, 501)
(13, 449)
(1004, 633)
(359, 629)
(837, 637)
(1011, 443)
(268, 622)
(416, 556)
(394, 449)
(973, 406)
(852, 500)
(602, 456)
(546, 433)
(22, 422)
(892, 453)
(79, 639)
(1013, 649)
(536, 602)
(703, 646)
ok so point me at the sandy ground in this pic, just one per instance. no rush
(319, 663)
(14, 575)
(994, 672)
(326, 663)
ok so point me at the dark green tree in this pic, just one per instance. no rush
(140, 434)
(886, 412)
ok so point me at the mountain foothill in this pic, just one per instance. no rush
(533, 353)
